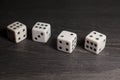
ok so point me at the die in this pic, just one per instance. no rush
(95, 42)
(41, 32)
(66, 41)
(17, 31)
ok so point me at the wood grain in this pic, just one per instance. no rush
(30, 60)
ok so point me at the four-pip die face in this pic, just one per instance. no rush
(17, 32)
(95, 42)
(41, 32)
(66, 41)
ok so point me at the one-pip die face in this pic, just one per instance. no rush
(17, 32)
(95, 42)
(67, 41)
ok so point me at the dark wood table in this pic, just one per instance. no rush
(30, 60)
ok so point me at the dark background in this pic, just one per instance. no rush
(30, 60)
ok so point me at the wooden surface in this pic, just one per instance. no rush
(30, 60)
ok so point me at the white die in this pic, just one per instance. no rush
(17, 32)
(66, 41)
(41, 32)
(95, 42)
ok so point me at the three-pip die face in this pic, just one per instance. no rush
(66, 41)
(95, 42)
(41, 32)
(17, 32)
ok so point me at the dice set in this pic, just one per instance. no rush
(66, 41)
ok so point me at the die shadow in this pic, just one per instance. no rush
(29, 34)
(80, 43)
(52, 42)
(3, 33)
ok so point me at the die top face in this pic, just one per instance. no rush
(67, 36)
(40, 26)
(96, 37)
(15, 26)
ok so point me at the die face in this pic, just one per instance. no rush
(41, 32)
(38, 36)
(17, 32)
(41, 25)
(67, 36)
(74, 43)
(15, 26)
(91, 45)
(66, 41)
(20, 34)
(95, 42)
(102, 46)
(64, 45)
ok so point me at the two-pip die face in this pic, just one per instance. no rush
(17, 32)
(67, 41)
(41, 32)
(95, 42)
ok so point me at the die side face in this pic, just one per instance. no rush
(11, 35)
(64, 45)
(21, 34)
(18, 30)
(91, 45)
(38, 36)
(95, 42)
(74, 43)
(41, 32)
(66, 41)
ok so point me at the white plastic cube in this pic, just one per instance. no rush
(17, 32)
(41, 32)
(66, 41)
(95, 42)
